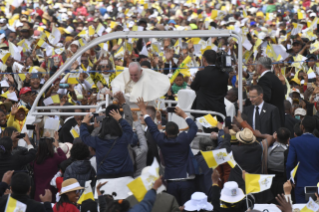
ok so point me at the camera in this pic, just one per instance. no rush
(223, 61)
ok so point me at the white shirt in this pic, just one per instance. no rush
(264, 73)
(260, 106)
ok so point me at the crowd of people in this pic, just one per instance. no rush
(139, 92)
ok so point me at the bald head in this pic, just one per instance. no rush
(135, 71)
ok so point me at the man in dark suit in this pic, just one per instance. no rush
(261, 115)
(210, 85)
(273, 89)
(305, 150)
(180, 164)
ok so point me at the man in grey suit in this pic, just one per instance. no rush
(261, 115)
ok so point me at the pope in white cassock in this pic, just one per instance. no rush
(136, 82)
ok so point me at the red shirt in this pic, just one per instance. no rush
(66, 207)
(58, 182)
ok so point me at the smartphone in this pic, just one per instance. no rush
(310, 191)
(64, 85)
(22, 135)
(95, 114)
(228, 122)
(30, 127)
(171, 109)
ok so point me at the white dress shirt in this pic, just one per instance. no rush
(264, 73)
(260, 106)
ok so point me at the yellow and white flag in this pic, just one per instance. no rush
(87, 193)
(74, 133)
(55, 36)
(311, 206)
(100, 29)
(143, 183)
(14, 205)
(314, 47)
(207, 121)
(293, 173)
(311, 74)
(104, 46)
(256, 183)
(91, 31)
(54, 99)
(15, 51)
(82, 33)
(231, 161)
(216, 157)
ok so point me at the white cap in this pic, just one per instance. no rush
(312, 15)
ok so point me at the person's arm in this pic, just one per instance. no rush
(60, 157)
(147, 203)
(196, 83)
(127, 113)
(141, 136)
(275, 119)
(6, 181)
(214, 191)
(291, 159)
(102, 201)
(84, 132)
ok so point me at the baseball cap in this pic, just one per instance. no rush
(24, 90)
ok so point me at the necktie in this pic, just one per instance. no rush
(257, 119)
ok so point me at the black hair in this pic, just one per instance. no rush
(20, 183)
(309, 123)
(65, 165)
(172, 129)
(5, 145)
(210, 56)
(146, 63)
(283, 32)
(109, 125)
(258, 88)
(45, 150)
(283, 135)
(297, 129)
(8, 131)
(180, 75)
(67, 110)
(80, 151)
(64, 199)
(213, 24)
(121, 205)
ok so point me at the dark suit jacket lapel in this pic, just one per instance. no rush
(264, 111)
(251, 115)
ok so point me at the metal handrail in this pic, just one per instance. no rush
(148, 34)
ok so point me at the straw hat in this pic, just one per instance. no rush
(231, 193)
(70, 185)
(246, 136)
